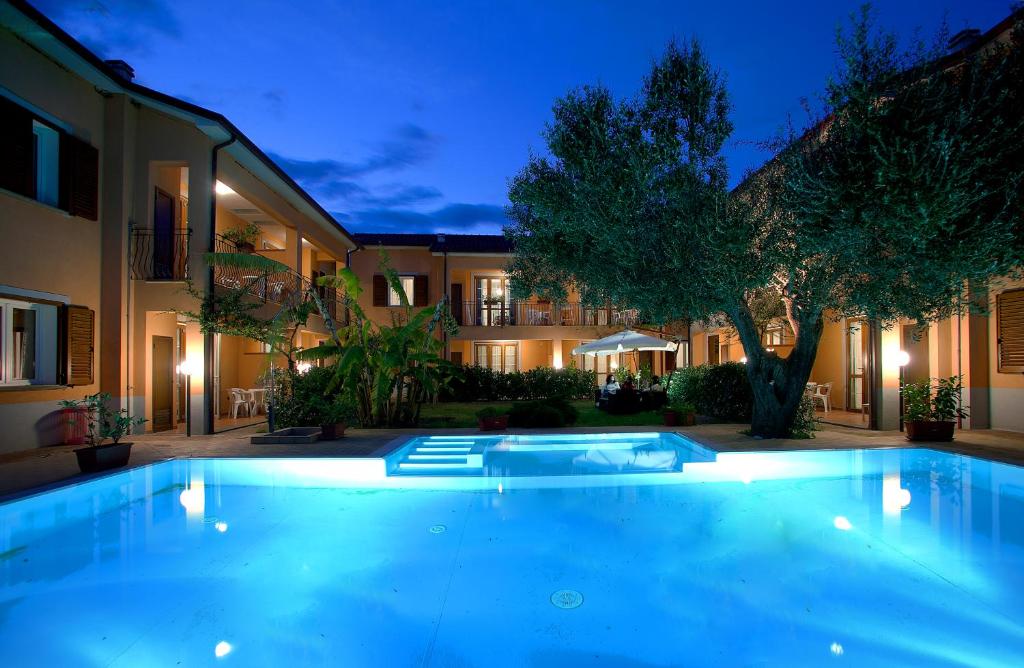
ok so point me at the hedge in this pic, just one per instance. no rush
(721, 391)
(481, 384)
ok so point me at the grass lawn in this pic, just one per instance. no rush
(457, 414)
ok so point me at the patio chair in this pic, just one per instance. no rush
(823, 393)
(239, 399)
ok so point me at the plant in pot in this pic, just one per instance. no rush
(492, 419)
(104, 424)
(244, 238)
(680, 414)
(930, 409)
(74, 416)
(335, 416)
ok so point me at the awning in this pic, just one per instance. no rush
(624, 342)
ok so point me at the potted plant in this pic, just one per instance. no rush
(75, 418)
(244, 238)
(492, 419)
(683, 415)
(930, 409)
(335, 417)
(104, 423)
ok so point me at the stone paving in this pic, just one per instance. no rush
(33, 470)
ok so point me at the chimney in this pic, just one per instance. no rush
(122, 69)
(963, 39)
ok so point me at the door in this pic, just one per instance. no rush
(858, 378)
(163, 236)
(492, 302)
(163, 382)
(713, 354)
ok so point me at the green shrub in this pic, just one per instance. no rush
(481, 384)
(312, 399)
(805, 423)
(721, 391)
(490, 412)
(549, 413)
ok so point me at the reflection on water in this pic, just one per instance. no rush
(869, 557)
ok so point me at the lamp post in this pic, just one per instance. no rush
(187, 368)
(902, 360)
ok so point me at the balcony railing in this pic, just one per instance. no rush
(532, 313)
(160, 256)
(285, 287)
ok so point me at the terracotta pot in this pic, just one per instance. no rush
(332, 432)
(671, 418)
(926, 430)
(497, 423)
(103, 457)
(688, 419)
(76, 424)
(246, 247)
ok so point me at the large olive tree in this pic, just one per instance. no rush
(902, 190)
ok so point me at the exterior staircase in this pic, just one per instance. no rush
(441, 455)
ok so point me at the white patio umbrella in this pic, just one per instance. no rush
(624, 342)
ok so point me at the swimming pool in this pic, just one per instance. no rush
(908, 557)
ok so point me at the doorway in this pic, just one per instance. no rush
(163, 383)
(163, 236)
(914, 339)
(713, 353)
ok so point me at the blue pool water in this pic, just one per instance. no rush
(862, 558)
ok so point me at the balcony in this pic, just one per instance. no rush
(160, 256)
(536, 313)
(284, 288)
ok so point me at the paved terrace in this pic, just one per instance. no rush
(32, 470)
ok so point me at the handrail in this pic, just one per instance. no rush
(160, 256)
(538, 313)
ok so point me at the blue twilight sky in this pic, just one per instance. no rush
(413, 115)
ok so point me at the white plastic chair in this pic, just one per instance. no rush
(823, 393)
(239, 399)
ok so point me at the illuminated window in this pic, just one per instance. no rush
(394, 299)
(28, 343)
(500, 357)
(47, 146)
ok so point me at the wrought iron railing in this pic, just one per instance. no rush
(285, 287)
(531, 313)
(160, 256)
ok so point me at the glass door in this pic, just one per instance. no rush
(858, 391)
(492, 308)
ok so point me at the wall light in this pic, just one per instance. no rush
(901, 357)
(223, 189)
(743, 359)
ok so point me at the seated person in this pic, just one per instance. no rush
(627, 384)
(611, 386)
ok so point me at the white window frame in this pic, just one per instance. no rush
(503, 344)
(47, 163)
(408, 282)
(7, 379)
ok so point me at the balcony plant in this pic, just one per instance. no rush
(931, 408)
(492, 419)
(244, 238)
(103, 424)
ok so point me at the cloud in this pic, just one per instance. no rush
(452, 218)
(340, 182)
(111, 30)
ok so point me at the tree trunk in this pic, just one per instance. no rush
(777, 384)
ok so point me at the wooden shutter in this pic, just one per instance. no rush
(79, 177)
(457, 357)
(670, 360)
(1010, 330)
(420, 296)
(380, 290)
(79, 330)
(456, 305)
(17, 149)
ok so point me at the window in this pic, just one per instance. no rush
(500, 357)
(1010, 330)
(47, 162)
(408, 285)
(28, 343)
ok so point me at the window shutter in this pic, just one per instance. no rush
(1010, 330)
(420, 296)
(79, 177)
(380, 290)
(17, 149)
(79, 330)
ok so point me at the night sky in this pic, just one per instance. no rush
(413, 116)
